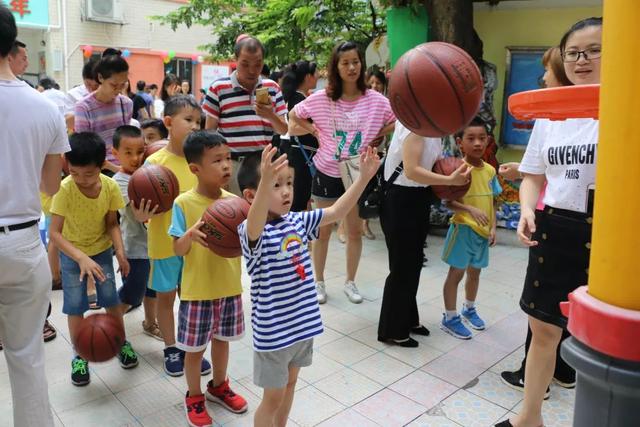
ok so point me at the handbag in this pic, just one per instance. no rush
(374, 194)
(349, 166)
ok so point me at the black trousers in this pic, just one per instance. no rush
(405, 223)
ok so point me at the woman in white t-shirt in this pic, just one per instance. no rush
(347, 117)
(405, 222)
(564, 154)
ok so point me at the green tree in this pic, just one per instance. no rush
(289, 29)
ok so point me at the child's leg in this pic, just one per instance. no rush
(192, 361)
(472, 284)
(150, 305)
(282, 413)
(272, 400)
(166, 318)
(134, 285)
(74, 323)
(220, 359)
(54, 261)
(450, 290)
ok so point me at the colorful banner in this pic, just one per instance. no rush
(29, 13)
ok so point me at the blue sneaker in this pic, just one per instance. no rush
(173, 362)
(205, 365)
(470, 315)
(455, 327)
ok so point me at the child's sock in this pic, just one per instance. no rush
(451, 314)
(469, 304)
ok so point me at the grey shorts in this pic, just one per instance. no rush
(271, 368)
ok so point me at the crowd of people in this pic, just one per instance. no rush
(301, 159)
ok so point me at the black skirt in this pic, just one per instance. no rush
(558, 264)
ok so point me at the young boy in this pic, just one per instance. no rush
(153, 130)
(84, 226)
(210, 293)
(472, 231)
(128, 148)
(285, 315)
(181, 117)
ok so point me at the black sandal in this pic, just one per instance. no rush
(420, 330)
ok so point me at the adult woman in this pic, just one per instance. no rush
(405, 229)
(105, 109)
(347, 117)
(298, 79)
(170, 87)
(558, 236)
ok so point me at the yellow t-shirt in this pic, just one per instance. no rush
(484, 187)
(205, 275)
(84, 218)
(45, 201)
(160, 243)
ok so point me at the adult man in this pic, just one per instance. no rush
(54, 95)
(18, 59)
(74, 95)
(148, 102)
(231, 108)
(33, 137)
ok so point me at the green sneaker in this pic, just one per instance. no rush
(80, 372)
(127, 356)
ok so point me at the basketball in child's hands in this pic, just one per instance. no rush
(99, 337)
(436, 89)
(155, 146)
(221, 220)
(156, 183)
(447, 166)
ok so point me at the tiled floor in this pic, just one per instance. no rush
(355, 381)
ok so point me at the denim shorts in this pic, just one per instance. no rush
(134, 285)
(75, 291)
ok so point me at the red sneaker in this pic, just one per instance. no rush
(224, 396)
(196, 411)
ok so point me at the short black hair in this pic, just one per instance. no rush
(88, 68)
(177, 103)
(125, 131)
(16, 47)
(251, 44)
(157, 124)
(153, 86)
(476, 122)
(111, 51)
(110, 65)
(199, 141)
(140, 85)
(87, 149)
(594, 21)
(249, 172)
(266, 71)
(8, 31)
(47, 83)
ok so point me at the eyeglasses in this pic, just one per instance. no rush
(588, 54)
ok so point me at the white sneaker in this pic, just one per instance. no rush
(321, 292)
(351, 291)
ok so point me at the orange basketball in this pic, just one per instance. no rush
(447, 166)
(99, 337)
(156, 183)
(436, 89)
(221, 220)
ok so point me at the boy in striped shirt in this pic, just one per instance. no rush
(285, 313)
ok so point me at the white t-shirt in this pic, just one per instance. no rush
(74, 96)
(565, 152)
(57, 97)
(158, 107)
(30, 128)
(431, 152)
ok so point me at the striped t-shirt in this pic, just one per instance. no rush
(346, 127)
(103, 118)
(284, 306)
(232, 105)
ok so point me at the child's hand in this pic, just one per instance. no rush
(526, 227)
(197, 235)
(480, 217)
(268, 168)
(91, 270)
(369, 164)
(143, 213)
(123, 264)
(509, 171)
(460, 176)
(492, 237)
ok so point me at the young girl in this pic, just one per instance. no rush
(558, 236)
(347, 117)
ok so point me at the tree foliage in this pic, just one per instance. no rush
(289, 29)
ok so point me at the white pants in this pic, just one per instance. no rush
(25, 288)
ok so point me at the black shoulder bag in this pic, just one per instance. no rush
(372, 198)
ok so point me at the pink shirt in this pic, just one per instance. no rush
(346, 127)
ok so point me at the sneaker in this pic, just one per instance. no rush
(565, 383)
(321, 292)
(205, 367)
(515, 380)
(173, 362)
(470, 315)
(80, 372)
(127, 356)
(152, 329)
(455, 327)
(351, 291)
(224, 396)
(196, 411)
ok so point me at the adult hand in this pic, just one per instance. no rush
(264, 110)
(461, 175)
(526, 227)
(509, 171)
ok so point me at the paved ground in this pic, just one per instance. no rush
(354, 381)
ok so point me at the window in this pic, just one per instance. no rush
(183, 68)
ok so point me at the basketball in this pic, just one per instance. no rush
(221, 220)
(99, 337)
(436, 89)
(155, 146)
(447, 166)
(156, 183)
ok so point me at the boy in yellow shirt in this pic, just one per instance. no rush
(472, 231)
(84, 226)
(210, 294)
(181, 117)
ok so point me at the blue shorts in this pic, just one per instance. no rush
(134, 285)
(75, 297)
(165, 274)
(464, 248)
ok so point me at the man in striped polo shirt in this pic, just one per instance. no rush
(232, 110)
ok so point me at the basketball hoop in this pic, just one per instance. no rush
(558, 103)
